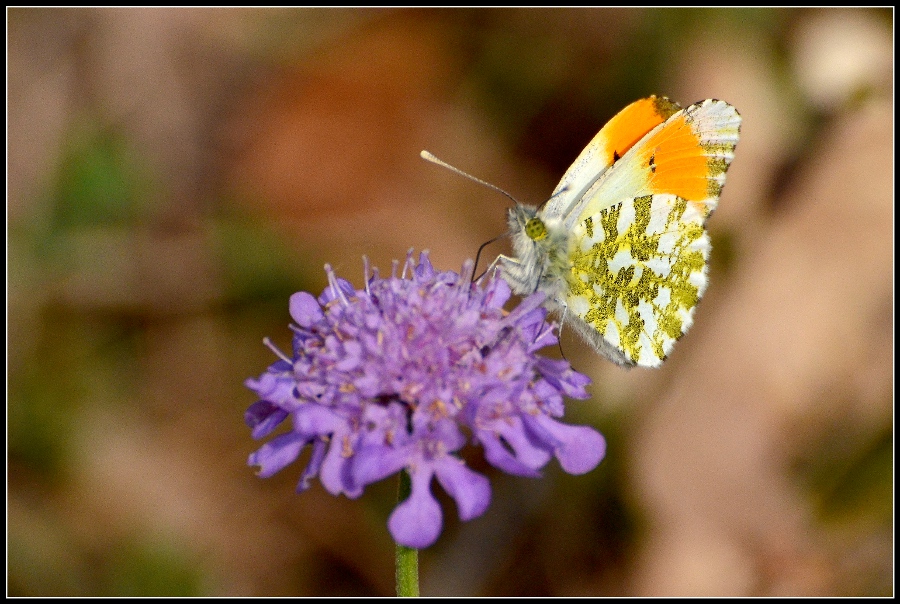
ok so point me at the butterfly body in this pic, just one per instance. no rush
(620, 249)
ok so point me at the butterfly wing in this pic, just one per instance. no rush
(687, 155)
(633, 208)
(612, 142)
(638, 269)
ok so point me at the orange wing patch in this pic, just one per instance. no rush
(677, 161)
(687, 155)
(633, 123)
(621, 133)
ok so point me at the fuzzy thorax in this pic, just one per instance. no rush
(541, 254)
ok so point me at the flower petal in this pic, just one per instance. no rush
(335, 473)
(418, 520)
(374, 462)
(277, 453)
(305, 309)
(263, 417)
(470, 490)
(578, 448)
(500, 457)
(317, 420)
(319, 448)
(275, 385)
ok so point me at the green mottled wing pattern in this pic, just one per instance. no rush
(638, 269)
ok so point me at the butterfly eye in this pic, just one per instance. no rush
(535, 229)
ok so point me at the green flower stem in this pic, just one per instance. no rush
(407, 557)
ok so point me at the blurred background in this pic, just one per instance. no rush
(174, 175)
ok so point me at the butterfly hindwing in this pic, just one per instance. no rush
(638, 269)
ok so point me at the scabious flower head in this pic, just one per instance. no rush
(401, 374)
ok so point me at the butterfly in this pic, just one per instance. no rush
(620, 249)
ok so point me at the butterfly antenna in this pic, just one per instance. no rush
(549, 199)
(429, 157)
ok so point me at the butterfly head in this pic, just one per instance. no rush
(540, 244)
(524, 223)
(535, 229)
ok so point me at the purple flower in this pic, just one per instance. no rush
(400, 374)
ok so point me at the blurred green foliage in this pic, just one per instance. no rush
(86, 356)
(101, 180)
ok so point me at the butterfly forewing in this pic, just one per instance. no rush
(687, 156)
(612, 142)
